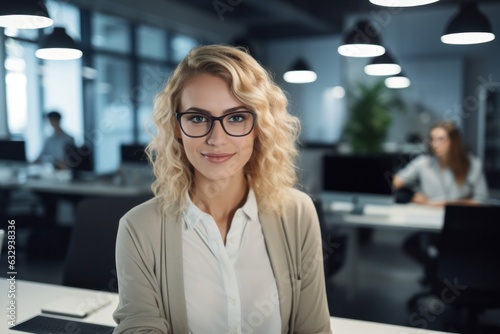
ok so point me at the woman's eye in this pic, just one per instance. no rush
(237, 118)
(198, 119)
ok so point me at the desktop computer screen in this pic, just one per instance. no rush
(358, 174)
(13, 150)
(133, 153)
(80, 160)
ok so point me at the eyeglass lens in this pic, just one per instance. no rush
(234, 124)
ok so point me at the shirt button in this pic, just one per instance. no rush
(232, 240)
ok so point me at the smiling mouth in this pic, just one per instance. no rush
(217, 158)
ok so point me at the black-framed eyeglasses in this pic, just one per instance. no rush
(197, 124)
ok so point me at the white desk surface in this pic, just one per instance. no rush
(404, 216)
(31, 296)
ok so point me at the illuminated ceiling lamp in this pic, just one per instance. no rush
(58, 45)
(469, 26)
(402, 3)
(398, 81)
(24, 14)
(300, 73)
(362, 41)
(383, 65)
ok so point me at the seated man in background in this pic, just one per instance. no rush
(54, 149)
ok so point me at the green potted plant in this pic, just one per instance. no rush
(370, 117)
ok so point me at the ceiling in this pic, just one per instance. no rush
(277, 19)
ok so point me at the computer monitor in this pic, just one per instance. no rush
(13, 150)
(80, 159)
(358, 174)
(134, 153)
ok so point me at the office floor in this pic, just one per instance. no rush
(387, 279)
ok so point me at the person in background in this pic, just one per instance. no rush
(54, 149)
(227, 245)
(448, 175)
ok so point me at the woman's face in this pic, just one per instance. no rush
(439, 142)
(216, 156)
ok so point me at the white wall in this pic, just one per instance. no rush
(322, 115)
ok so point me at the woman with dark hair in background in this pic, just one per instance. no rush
(448, 175)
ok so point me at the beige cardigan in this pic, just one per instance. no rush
(151, 284)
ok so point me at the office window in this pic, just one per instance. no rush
(65, 15)
(113, 111)
(181, 45)
(110, 33)
(62, 80)
(22, 94)
(31, 34)
(151, 42)
(152, 78)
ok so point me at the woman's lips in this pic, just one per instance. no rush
(217, 158)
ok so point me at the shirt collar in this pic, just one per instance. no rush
(192, 214)
(250, 207)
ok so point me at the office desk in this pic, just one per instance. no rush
(52, 190)
(82, 188)
(397, 216)
(32, 296)
(86, 188)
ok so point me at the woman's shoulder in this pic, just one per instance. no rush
(476, 164)
(297, 199)
(297, 195)
(146, 213)
(423, 158)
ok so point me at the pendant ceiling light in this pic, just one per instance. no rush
(58, 45)
(398, 81)
(383, 65)
(469, 26)
(402, 3)
(24, 14)
(300, 73)
(362, 41)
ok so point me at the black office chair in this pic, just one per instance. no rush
(334, 245)
(90, 261)
(468, 264)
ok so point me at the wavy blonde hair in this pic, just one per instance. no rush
(271, 168)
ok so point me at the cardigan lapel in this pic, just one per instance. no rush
(277, 247)
(172, 250)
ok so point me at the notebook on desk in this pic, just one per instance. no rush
(76, 306)
(48, 325)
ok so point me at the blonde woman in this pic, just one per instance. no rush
(227, 245)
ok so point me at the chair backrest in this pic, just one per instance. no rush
(333, 245)
(470, 249)
(90, 260)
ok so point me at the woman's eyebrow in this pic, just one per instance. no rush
(210, 113)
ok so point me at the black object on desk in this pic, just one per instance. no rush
(13, 150)
(48, 325)
(358, 174)
(133, 153)
(80, 160)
